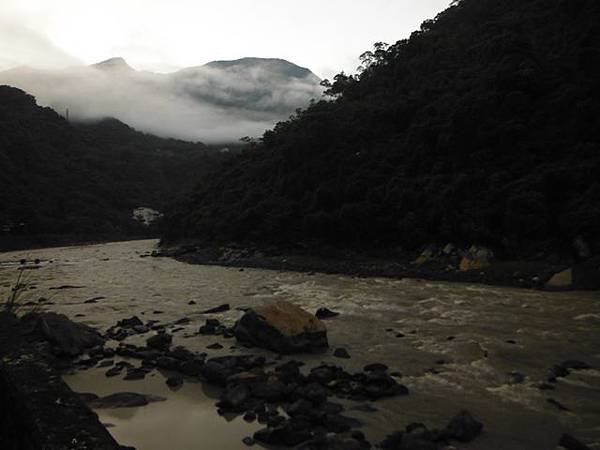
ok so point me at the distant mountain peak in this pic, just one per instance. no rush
(114, 64)
(276, 65)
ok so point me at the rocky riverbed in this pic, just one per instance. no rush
(523, 362)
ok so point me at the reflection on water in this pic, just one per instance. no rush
(187, 420)
(457, 345)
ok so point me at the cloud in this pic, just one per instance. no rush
(209, 104)
(20, 45)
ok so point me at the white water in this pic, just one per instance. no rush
(547, 327)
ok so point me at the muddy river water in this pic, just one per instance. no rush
(456, 345)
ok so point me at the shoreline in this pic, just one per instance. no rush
(532, 274)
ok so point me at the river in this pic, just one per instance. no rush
(457, 345)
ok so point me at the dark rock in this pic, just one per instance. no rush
(516, 378)
(131, 322)
(215, 346)
(174, 381)
(546, 387)
(87, 396)
(574, 364)
(570, 443)
(181, 353)
(376, 367)
(557, 371)
(106, 363)
(235, 397)
(135, 374)
(249, 441)
(161, 341)
(192, 368)
(325, 313)
(283, 328)
(114, 371)
(67, 337)
(250, 416)
(182, 321)
(124, 400)
(168, 363)
(463, 427)
(557, 404)
(218, 309)
(364, 407)
(341, 353)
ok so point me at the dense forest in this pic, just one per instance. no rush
(482, 127)
(84, 180)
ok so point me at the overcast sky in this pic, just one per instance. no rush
(164, 35)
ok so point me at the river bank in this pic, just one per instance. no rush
(534, 273)
(456, 345)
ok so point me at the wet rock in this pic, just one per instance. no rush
(375, 367)
(181, 353)
(113, 371)
(218, 309)
(557, 404)
(215, 346)
(67, 337)
(192, 368)
(463, 427)
(364, 407)
(561, 280)
(570, 443)
(325, 313)
(87, 396)
(168, 363)
(135, 374)
(341, 353)
(124, 400)
(546, 387)
(249, 441)
(129, 323)
(557, 371)
(161, 341)
(174, 381)
(235, 397)
(575, 365)
(515, 378)
(211, 327)
(106, 363)
(476, 258)
(283, 328)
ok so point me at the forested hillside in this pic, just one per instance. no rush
(62, 179)
(483, 127)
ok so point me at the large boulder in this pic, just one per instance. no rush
(68, 338)
(283, 328)
(476, 258)
(561, 280)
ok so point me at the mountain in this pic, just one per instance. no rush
(85, 180)
(483, 127)
(218, 102)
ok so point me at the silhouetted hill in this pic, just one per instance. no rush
(483, 127)
(85, 180)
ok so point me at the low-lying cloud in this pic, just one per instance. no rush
(218, 102)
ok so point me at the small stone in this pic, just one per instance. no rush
(341, 353)
(249, 441)
(464, 427)
(570, 443)
(174, 381)
(326, 313)
(161, 341)
(215, 346)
